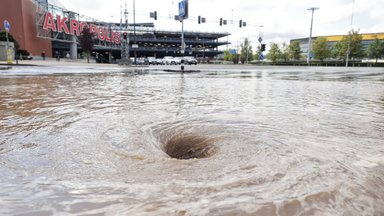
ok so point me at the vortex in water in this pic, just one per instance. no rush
(189, 146)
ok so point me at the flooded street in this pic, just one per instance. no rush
(268, 141)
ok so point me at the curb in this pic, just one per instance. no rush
(5, 67)
(182, 71)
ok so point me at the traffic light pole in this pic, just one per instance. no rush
(134, 29)
(183, 14)
(182, 44)
(125, 49)
(7, 46)
(9, 58)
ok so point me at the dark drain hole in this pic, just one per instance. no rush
(189, 146)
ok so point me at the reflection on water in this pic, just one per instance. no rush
(266, 142)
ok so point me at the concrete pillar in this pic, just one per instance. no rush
(73, 48)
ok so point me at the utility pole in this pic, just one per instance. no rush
(182, 47)
(110, 45)
(310, 36)
(182, 37)
(183, 14)
(134, 29)
(260, 40)
(248, 42)
(350, 36)
(9, 52)
(125, 42)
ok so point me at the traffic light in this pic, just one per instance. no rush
(241, 23)
(125, 35)
(262, 47)
(221, 21)
(155, 15)
(199, 19)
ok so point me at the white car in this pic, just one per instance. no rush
(169, 60)
(178, 60)
(151, 60)
(159, 61)
(190, 60)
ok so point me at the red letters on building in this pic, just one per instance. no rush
(48, 22)
(93, 29)
(107, 37)
(116, 37)
(62, 24)
(83, 25)
(101, 33)
(76, 27)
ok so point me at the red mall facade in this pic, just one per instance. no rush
(21, 16)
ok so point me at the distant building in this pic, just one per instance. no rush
(333, 39)
(153, 43)
(45, 26)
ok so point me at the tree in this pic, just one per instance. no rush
(257, 54)
(246, 51)
(335, 49)
(285, 52)
(356, 46)
(86, 41)
(376, 49)
(10, 39)
(228, 56)
(274, 53)
(294, 50)
(320, 49)
(236, 58)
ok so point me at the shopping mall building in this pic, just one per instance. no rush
(46, 26)
(367, 39)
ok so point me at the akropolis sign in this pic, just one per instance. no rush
(75, 27)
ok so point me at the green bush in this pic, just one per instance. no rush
(3, 37)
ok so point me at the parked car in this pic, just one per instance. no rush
(24, 55)
(29, 57)
(178, 60)
(169, 60)
(159, 61)
(143, 61)
(190, 60)
(152, 61)
(139, 61)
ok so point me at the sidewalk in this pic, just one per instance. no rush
(5, 67)
(64, 66)
(53, 62)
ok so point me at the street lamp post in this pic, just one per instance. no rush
(110, 45)
(310, 36)
(134, 29)
(247, 51)
(350, 36)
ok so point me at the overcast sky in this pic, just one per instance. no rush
(282, 20)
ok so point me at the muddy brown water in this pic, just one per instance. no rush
(256, 142)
